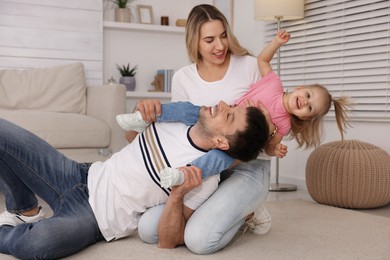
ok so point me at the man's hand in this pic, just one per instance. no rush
(149, 108)
(192, 179)
(175, 215)
(280, 150)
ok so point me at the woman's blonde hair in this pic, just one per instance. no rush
(308, 133)
(199, 15)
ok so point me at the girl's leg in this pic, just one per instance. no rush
(214, 224)
(213, 162)
(184, 112)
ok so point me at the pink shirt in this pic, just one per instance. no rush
(269, 90)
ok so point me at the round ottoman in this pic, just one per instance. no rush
(349, 174)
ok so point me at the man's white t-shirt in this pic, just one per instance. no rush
(127, 184)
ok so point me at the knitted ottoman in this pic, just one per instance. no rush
(349, 174)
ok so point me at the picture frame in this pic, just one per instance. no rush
(227, 8)
(145, 13)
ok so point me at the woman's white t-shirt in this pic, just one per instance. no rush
(187, 85)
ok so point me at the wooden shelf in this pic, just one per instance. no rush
(142, 94)
(142, 27)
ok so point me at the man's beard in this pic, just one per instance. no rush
(203, 127)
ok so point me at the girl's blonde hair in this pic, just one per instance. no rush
(308, 133)
(199, 15)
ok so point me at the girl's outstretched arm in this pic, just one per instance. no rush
(268, 52)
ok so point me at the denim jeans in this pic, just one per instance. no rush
(180, 111)
(28, 167)
(215, 161)
(214, 224)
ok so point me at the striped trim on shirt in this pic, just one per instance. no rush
(153, 155)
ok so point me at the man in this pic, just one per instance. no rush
(105, 202)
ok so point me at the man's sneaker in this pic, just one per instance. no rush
(13, 219)
(260, 222)
(132, 122)
(171, 177)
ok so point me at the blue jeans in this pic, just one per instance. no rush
(214, 224)
(213, 162)
(30, 167)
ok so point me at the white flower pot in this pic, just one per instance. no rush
(122, 15)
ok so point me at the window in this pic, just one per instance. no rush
(345, 46)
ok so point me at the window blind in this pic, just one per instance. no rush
(344, 46)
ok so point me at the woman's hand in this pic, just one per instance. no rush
(149, 108)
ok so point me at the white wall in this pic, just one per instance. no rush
(175, 9)
(248, 31)
(44, 33)
(150, 51)
(147, 50)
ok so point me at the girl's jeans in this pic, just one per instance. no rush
(29, 167)
(213, 162)
(214, 224)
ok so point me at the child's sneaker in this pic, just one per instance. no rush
(132, 122)
(260, 222)
(13, 219)
(171, 177)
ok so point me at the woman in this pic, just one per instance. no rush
(222, 70)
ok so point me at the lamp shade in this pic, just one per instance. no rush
(279, 9)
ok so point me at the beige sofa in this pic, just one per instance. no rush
(55, 104)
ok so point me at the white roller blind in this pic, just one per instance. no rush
(345, 46)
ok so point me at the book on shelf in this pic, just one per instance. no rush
(167, 76)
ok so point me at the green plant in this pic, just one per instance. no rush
(120, 3)
(126, 71)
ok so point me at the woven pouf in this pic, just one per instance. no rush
(349, 174)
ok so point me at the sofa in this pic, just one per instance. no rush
(55, 104)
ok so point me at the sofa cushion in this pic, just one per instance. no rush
(62, 130)
(55, 89)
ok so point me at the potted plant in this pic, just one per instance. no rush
(122, 12)
(128, 74)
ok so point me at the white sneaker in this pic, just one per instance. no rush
(260, 222)
(13, 219)
(171, 177)
(132, 122)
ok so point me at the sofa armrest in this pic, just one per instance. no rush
(104, 103)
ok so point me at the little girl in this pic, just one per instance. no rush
(298, 113)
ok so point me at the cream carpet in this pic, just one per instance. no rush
(300, 230)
